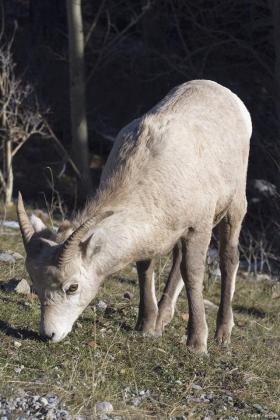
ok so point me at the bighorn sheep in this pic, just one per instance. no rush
(171, 176)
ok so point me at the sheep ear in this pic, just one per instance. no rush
(90, 247)
(37, 224)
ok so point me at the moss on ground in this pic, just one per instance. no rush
(104, 359)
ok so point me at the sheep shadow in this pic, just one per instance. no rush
(19, 333)
(251, 311)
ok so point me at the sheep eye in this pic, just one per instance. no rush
(72, 289)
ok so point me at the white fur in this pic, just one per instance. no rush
(245, 113)
(179, 288)
(153, 289)
(173, 170)
(233, 282)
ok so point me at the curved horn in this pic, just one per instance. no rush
(26, 228)
(71, 245)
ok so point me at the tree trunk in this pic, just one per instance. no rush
(77, 93)
(275, 10)
(9, 173)
(7, 177)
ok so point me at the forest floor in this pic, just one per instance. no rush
(103, 359)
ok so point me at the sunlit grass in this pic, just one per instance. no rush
(104, 359)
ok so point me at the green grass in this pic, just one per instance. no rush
(104, 359)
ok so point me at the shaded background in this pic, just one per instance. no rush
(136, 51)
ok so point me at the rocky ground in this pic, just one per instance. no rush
(26, 406)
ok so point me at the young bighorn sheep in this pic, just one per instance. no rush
(171, 176)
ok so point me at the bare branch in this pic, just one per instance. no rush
(62, 149)
(20, 117)
(95, 21)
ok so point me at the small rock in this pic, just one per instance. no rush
(102, 407)
(6, 257)
(101, 305)
(26, 304)
(135, 401)
(228, 398)
(17, 344)
(259, 408)
(183, 339)
(15, 254)
(196, 387)
(19, 369)
(204, 398)
(16, 285)
(23, 287)
(43, 401)
(10, 224)
(178, 382)
(128, 295)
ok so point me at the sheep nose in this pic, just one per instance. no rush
(48, 337)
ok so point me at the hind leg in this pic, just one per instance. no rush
(229, 229)
(173, 287)
(194, 250)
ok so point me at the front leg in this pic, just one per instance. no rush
(148, 308)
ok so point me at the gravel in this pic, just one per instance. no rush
(32, 406)
(217, 404)
(134, 398)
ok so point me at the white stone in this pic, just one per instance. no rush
(103, 407)
(101, 305)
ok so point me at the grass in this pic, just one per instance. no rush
(104, 359)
